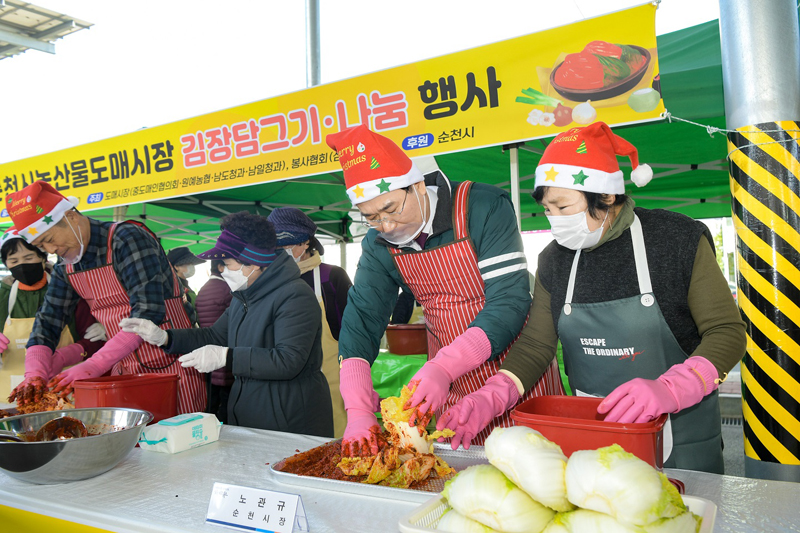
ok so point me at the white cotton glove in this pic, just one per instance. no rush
(146, 329)
(95, 332)
(205, 359)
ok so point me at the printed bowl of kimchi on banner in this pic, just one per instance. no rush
(601, 70)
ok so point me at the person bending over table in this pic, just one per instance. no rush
(121, 271)
(457, 248)
(635, 296)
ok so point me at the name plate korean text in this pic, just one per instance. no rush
(249, 509)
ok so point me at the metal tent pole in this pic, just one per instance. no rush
(514, 168)
(120, 212)
(312, 43)
(761, 80)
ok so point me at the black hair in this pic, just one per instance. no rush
(252, 229)
(13, 246)
(312, 246)
(215, 264)
(595, 201)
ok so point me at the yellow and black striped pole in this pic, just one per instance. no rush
(760, 45)
(765, 187)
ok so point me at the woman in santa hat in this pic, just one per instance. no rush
(457, 247)
(644, 314)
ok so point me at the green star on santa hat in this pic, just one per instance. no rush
(383, 186)
(580, 177)
(47, 219)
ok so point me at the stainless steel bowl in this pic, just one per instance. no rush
(113, 434)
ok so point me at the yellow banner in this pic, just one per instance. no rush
(537, 85)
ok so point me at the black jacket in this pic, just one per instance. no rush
(274, 327)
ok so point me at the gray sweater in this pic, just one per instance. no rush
(274, 330)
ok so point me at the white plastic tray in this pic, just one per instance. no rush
(459, 460)
(425, 517)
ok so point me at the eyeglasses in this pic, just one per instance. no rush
(373, 223)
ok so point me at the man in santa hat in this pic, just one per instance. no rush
(121, 270)
(642, 310)
(457, 247)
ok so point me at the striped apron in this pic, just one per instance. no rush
(447, 282)
(109, 303)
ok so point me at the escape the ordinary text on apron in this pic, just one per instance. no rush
(609, 343)
(18, 331)
(109, 303)
(330, 363)
(447, 282)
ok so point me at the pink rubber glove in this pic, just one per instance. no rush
(467, 352)
(38, 361)
(113, 351)
(360, 402)
(642, 400)
(3, 343)
(67, 356)
(469, 416)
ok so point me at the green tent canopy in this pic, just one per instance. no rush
(690, 169)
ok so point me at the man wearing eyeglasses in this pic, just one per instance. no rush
(457, 248)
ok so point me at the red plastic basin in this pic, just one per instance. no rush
(572, 422)
(157, 393)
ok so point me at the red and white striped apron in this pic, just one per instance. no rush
(447, 282)
(109, 303)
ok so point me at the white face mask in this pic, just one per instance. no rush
(291, 254)
(235, 279)
(189, 272)
(77, 257)
(572, 231)
(405, 233)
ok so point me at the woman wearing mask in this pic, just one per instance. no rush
(269, 337)
(21, 295)
(213, 299)
(184, 261)
(295, 233)
(635, 296)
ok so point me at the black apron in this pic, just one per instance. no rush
(606, 344)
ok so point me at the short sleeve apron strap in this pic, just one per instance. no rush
(330, 362)
(447, 282)
(18, 331)
(606, 344)
(109, 303)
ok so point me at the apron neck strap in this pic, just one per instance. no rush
(12, 297)
(317, 284)
(639, 256)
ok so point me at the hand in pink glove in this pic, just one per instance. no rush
(67, 356)
(360, 401)
(38, 362)
(3, 343)
(642, 400)
(473, 413)
(467, 352)
(120, 345)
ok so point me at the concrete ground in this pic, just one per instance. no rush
(731, 409)
(733, 454)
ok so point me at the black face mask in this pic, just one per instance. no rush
(28, 273)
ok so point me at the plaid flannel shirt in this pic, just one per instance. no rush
(141, 267)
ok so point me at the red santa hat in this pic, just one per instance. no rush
(585, 159)
(372, 164)
(37, 208)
